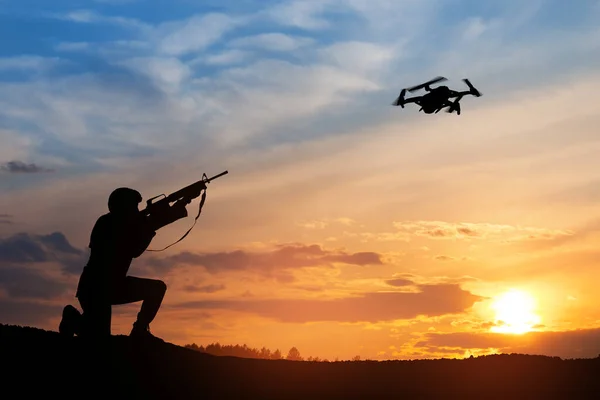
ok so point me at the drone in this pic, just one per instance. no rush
(436, 98)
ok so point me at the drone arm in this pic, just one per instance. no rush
(472, 92)
(413, 99)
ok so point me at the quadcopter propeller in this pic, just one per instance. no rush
(400, 99)
(474, 91)
(431, 82)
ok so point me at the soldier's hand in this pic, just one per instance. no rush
(182, 203)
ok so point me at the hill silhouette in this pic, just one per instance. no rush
(42, 363)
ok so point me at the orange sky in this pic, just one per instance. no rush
(392, 239)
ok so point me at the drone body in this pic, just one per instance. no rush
(437, 98)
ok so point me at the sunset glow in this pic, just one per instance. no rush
(346, 226)
(515, 313)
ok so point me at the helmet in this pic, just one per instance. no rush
(123, 199)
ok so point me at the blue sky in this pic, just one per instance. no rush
(88, 83)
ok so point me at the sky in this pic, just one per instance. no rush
(345, 226)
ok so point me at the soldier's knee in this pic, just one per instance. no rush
(161, 287)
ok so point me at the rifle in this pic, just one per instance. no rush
(161, 213)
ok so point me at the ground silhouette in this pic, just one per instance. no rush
(44, 363)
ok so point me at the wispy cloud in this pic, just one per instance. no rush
(277, 263)
(204, 289)
(224, 58)
(303, 14)
(28, 62)
(24, 248)
(72, 46)
(369, 307)
(21, 167)
(272, 42)
(194, 34)
(32, 275)
(92, 17)
(464, 230)
(323, 223)
(581, 343)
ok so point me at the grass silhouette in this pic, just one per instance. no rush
(43, 363)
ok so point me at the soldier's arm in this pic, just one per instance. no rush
(175, 213)
(144, 236)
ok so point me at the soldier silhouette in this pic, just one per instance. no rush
(116, 239)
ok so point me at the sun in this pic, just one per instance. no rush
(514, 312)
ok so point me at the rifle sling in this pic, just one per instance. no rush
(192, 227)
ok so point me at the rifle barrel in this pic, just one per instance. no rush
(218, 175)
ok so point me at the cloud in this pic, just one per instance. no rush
(302, 14)
(21, 167)
(21, 282)
(6, 219)
(204, 289)
(226, 57)
(32, 276)
(399, 282)
(272, 41)
(268, 263)
(359, 57)
(25, 248)
(92, 17)
(444, 258)
(475, 27)
(72, 46)
(315, 224)
(581, 343)
(307, 91)
(323, 223)
(465, 230)
(28, 62)
(82, 16)
(168, 38)
(431, 300)
(441, 230)
(14, 144)
(167, 72)
(196, 33)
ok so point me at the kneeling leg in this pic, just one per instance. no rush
(149, 291)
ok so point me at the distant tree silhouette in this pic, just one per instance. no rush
(356, 358)
(294, 355)
(243, 351)
(276, 355)
(265, 353)
(192, 346)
